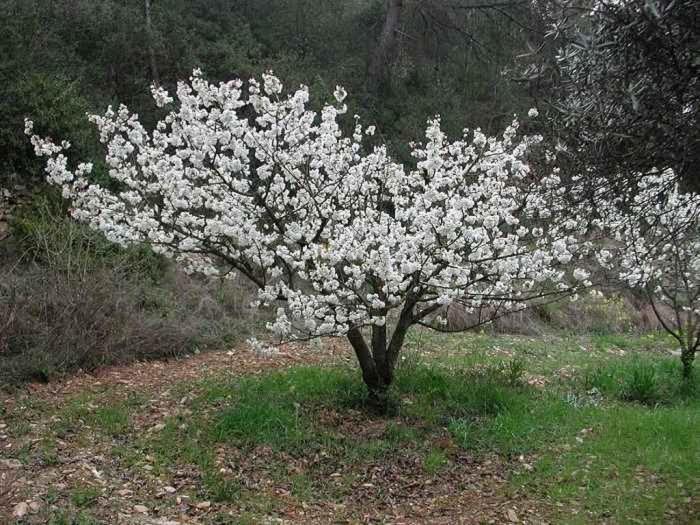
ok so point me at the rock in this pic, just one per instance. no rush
(169, 490)
(203, 505)
(10, 463)
(20, 510)
(142, 509)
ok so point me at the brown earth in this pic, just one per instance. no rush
(35, 483)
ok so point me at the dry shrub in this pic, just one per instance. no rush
(615, 313)
(55, 322)
(70, 300)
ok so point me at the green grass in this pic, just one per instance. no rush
(616, 426)
(617, 440)
(609, 437)
(645, 380)
(546, 354)
(435, 461)
(84, 496)
(111, 419)
(633, 463)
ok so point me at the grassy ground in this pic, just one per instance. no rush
(485, 429)
(608, 434)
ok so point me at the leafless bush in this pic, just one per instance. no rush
(54, 322)
(71, 300)
(615, 313)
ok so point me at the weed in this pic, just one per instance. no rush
(49, 456)
(220, 489)
(84, 496)
(643, 380)
(435, 461)
(112, 420)
(641, 384)
(70, 518)
(302, 487)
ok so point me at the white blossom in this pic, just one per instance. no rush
(657, 229)
(335, 234)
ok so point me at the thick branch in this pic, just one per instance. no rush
(364, 357)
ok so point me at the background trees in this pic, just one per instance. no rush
(623, 75)
(625, 80)
(442, 59)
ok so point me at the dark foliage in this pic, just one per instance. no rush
(624, 84)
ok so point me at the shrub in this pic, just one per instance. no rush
(55, 322)
(58, 107)
(71, 300)
(641, 384)
(43, 235)
(590, 314)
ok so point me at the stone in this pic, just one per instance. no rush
(20, 510)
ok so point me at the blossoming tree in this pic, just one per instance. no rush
(658, 232)
(343, 241)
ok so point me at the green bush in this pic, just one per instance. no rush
(44, 235)
(58, 110)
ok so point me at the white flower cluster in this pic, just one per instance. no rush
(335, 234)
(658, 232)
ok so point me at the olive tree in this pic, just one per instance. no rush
(622, 80)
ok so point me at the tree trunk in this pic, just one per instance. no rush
(377, 386)
(151, 43)
(687, 358)
(382, 55)
(379, 362)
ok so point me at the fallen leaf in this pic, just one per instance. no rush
(20, 510)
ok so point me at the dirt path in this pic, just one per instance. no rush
(74, 476)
